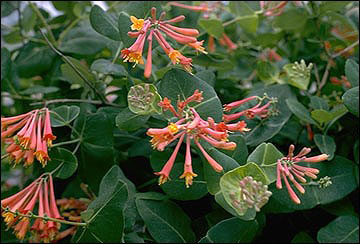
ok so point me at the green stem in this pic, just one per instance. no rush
(65, 142)
(42, 19)
(58, 167)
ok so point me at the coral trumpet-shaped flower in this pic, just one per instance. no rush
(188, 172)
(48, 135)
(165, 172)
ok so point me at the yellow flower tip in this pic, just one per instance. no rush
(137, 23)
(173, 128)
(9, 217)
(163, 179)
(173, 55)
(188, 178)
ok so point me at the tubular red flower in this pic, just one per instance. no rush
(215, 165)
(165, 172)
(184, 31)
(200, 8)
(291, 192)
(188, 172)
(231, 46)
(175, 19)
(48, 135)
(148, 66)
(211, 44)
(230, 106)
(176, 36)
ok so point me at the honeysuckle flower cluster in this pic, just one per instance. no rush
(288, 168)
(159, 28)
(193, 127)
(250, 113)
(32, 139)
(17, 210)
(343, 81)
(253, 194)
(207, 8)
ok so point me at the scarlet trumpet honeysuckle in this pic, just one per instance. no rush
(32, 139)
(288, 168)
(159, 28)
(275, 8)
(23, 202)
(193, 127)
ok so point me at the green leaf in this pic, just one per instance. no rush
(241, 151)
(321, 116)
(39, 89)
(175, 188)
(5, 62)
(246, 17)
(65, 158)
(28, 18)
(211, 176)
(266, 156)
(143, 99)
(318, 103)
(267, 128)
(72, 76)
(124, 24)
(351, 100)
(326, 144)
(233, 230)
(291, 19)
(352, 72)
(177, 83)
(213, 27)
(356, 151)
(127, 120)
(165, 221)
(105, 215)
(96, 154)
(7, 7)
(344, 229)
(34, 59)
(332, 6)
(229, 182)
(103, 23)
(300, 111)
(63, 115)
(107, 67)
(342, 173)
(267, 72)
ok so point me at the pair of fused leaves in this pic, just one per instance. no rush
(295, 74)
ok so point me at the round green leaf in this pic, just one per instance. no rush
(266, 155)
(63, 115)
(104, 23)
(65, 158)
(326, 144)
(229, 182)
(351, 100)
(300, 111)
(352, 72)
(233, 230)
(143, 99)
(127, 120)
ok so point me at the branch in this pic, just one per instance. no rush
(44, 218)
(345, 50)
(325, 75)
(41, 17)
